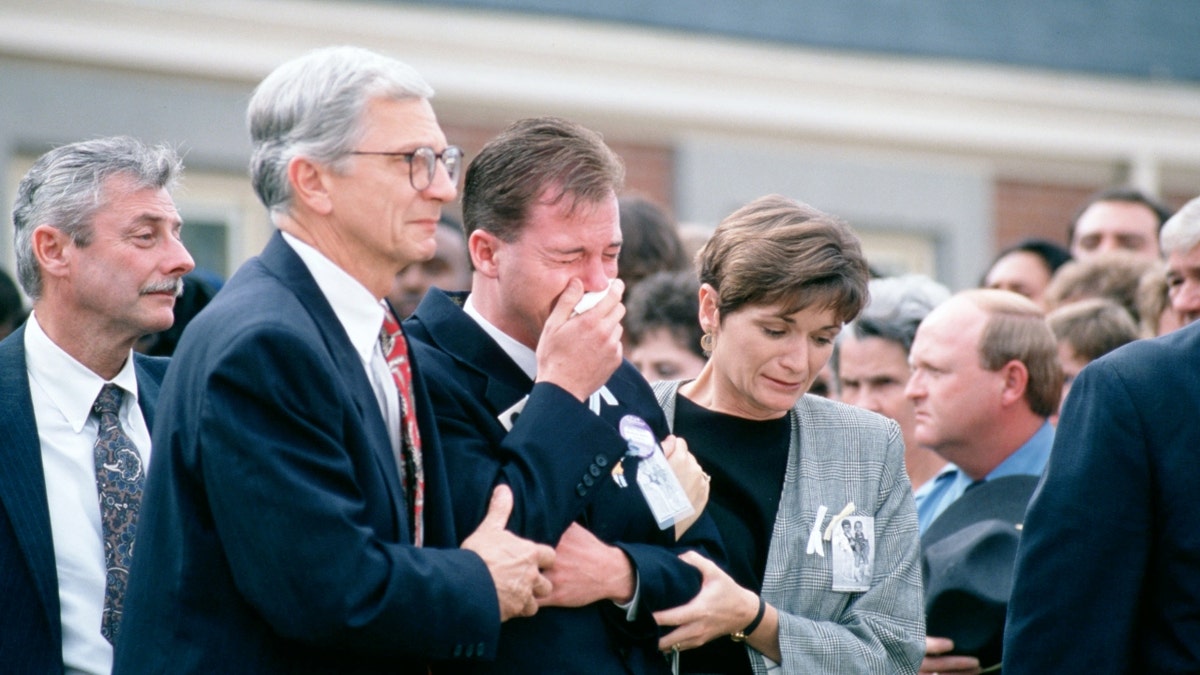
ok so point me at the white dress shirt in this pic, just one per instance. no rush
(63, 391)
(524, 357)
(361, 316)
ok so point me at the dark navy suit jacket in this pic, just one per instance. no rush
(558, 458)
(274, 535)
(1108, 568)
(30, 626)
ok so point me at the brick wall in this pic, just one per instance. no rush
(1024, 210)
(649, 169)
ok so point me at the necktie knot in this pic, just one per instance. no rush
(389, 332)
(109, 400)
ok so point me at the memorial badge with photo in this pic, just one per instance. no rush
(854, 554)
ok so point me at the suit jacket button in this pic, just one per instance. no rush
(594, 470)
(580, 490)
(457, 651)
(588, 480)
(601, 461)
(479, 649)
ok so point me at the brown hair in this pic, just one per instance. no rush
(516, 168)
(1092, 327)
(778, 251)
(1152, 299)
(650, 241)
(1112, 275)
(1016, 330)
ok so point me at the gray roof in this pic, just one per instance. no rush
(1143, 39)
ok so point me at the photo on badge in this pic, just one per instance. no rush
(854, 554)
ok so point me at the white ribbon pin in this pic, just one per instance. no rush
(842, 515)
(594, 399)
(509, 417)
(814, 537)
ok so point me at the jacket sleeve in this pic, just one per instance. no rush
(553, 458)
(321, 555)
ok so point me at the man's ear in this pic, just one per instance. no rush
(52, 248)
(310, 185)
(485, 249)
(1016, 381)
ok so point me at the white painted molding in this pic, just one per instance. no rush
(642, 84)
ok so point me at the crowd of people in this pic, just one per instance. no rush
(562, 435)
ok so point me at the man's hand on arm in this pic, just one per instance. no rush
(515, 564)
(579, 352)
(587, 570)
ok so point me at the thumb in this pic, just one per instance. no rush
(668, 446)
(499, 508)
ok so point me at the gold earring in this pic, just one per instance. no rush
(706, 343)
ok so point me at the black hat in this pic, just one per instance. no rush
(968, 555)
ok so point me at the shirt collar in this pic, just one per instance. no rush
(524, 357)
(1029, 459)
(359, 312)
(72, 386)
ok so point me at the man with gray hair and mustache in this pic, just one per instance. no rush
(1181, 247)
(98, 252)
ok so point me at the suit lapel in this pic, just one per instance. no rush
(22, 480)
(279, 258)
(456, 334)
(149, 371)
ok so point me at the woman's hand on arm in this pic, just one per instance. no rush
(722, 607)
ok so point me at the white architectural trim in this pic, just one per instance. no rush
(642, 84)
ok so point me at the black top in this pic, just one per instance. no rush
(747, 460)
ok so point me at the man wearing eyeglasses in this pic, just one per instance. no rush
(298, 516)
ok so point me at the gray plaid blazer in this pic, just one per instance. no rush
(841, 454)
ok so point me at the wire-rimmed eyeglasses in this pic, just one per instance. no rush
(422, 164)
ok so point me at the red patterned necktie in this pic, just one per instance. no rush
(119, 477)
(412, 470)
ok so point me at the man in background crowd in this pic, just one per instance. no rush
(449, 269)
(1181, 246)
(986, 379)
(1119, 219)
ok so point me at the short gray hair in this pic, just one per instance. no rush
(897, 306)
(1182, 231)
(66, 187)
(312, 106)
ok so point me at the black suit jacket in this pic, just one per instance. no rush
(274, 536)
(558, 458)
(1108, 569)
(30, 616)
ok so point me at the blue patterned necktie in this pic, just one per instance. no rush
(119, 477)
